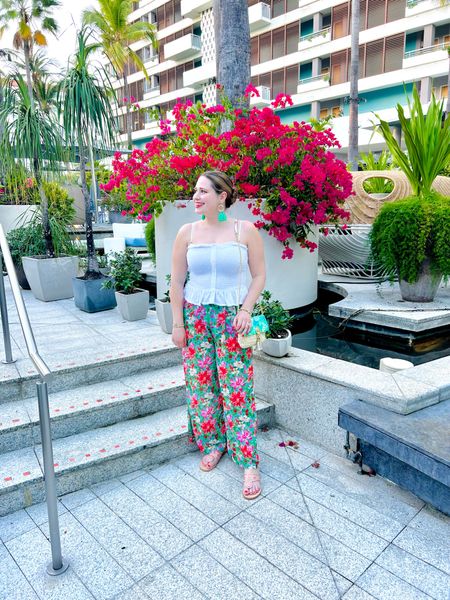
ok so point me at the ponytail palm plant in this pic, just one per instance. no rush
(30, 136)
(84, 97)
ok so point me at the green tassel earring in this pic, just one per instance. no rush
(221, 217)
(203, 217)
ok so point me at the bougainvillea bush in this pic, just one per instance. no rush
(287, 174)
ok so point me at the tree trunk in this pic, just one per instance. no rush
(128, 113)
(232, 38)
(354, 75)
(92, 271)
(27, 57)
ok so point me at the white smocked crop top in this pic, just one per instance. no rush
(214, 273)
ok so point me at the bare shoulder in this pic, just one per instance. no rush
(248, 231)
(184, 233)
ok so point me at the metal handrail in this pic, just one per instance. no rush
(38, 361)
(58, 565)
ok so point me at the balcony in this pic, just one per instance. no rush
(309, 84)
(264, 98)
(424, 56)
(188, 46)
(314, 39)
(258, 16)
(151, 87)
(415, 7)
(200, 76)
(193, 8)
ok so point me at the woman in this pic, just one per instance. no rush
(207, 319)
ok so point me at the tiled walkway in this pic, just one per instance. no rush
(175, 532)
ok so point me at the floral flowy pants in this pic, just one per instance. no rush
(219, 384)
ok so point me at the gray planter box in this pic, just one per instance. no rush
(50, 278)
(277, 347)
(164, 314)
(90, 296)
(133, 307)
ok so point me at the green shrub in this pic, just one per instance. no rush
(407, 231)
(377, 185)
(150, 239)
(26, 241)
(277, 317)
(125, 271)
(60, 204)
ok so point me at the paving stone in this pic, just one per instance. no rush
(289, 558)
(255, 571)
(197, 494)
(347, 507)
(129, 549)
(157, 531)
(175, 509)
(14, 585)
(346, 561)
(347, 532)
(385, 586)
(39, 514)
(275, 468)
(219, 582)
(432, 523)
(130, 476)
(134, 593)
(433, 550)
(357, 593)
(100, 489)
(15, 524)
(418, 573)
(96, 568)
(273, 437)
(78, 498)
(380, 495)
(166, 584)
(31, 551)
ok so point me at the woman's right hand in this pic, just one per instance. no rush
(179, 337)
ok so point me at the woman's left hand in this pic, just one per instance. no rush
(242, 322)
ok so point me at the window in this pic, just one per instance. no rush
(339, 67)
(280, 81)
(265, 47)
(278, 43)
(274, 44)
(169, 13)
(280, 7)
(393, 53)
(340, 21)
(374, 58)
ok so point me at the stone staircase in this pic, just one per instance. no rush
(110, 415)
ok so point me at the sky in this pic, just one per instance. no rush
(68, 17)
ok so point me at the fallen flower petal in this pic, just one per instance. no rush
(316, 465)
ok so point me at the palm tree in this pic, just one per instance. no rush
(354, 76)
(32, 18)
(116, 33)
(30, 135)
(232, 37)
(84, 105)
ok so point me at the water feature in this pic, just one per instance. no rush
(364, 343)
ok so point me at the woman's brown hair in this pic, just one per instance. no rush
(222, 183)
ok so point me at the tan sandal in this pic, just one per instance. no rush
(251, 476)
(211, 460)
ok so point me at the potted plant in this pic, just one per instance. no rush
(279, 338)
(85, 107)
(164, 310)
(23, 241)
(125, 277)
(411, 237)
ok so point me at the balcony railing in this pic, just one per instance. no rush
(315, 78)
(258, 15)
(420, 51)
(413, 3)
(315, 34)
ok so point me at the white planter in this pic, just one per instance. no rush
(13, 216)
(164, 314)
(277, 347)
(133, 307)
(293, 282)
(51, 278)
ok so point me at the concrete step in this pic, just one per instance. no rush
(18, 381)
(92, 406)
(97, 455)
(411, 450)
